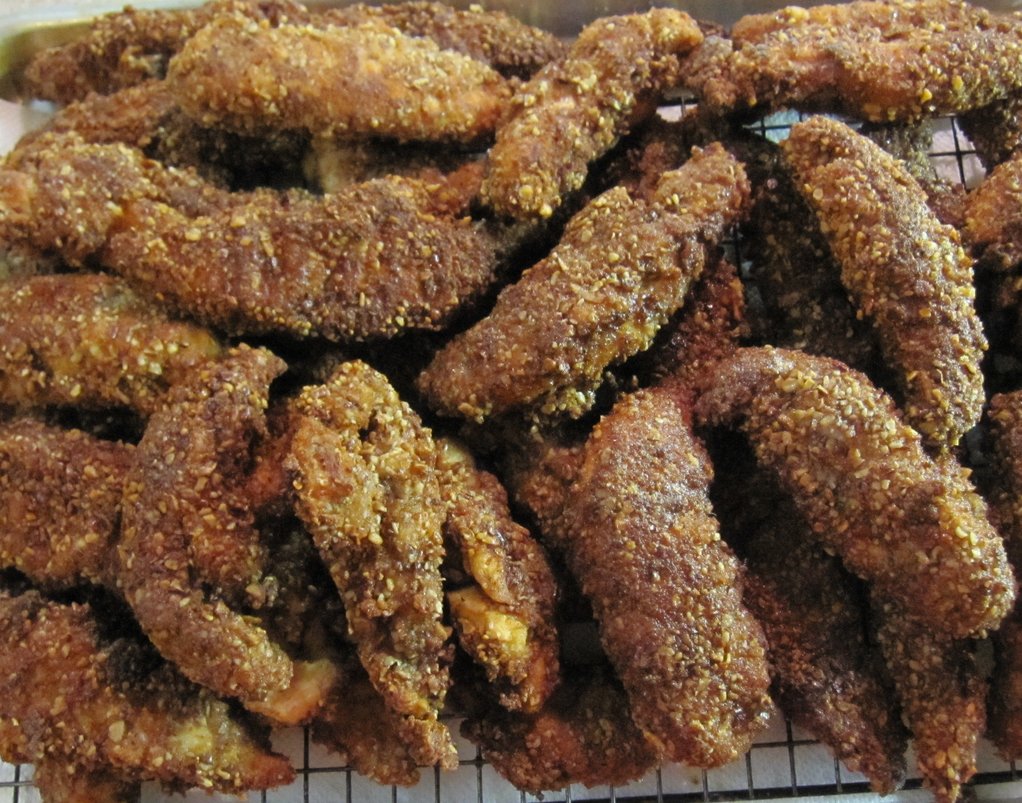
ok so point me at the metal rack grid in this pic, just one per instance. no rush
(784, 762)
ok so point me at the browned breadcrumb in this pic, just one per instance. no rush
(881, 61)
(60, 501)
(576, 108)
(622, 267)
(367, 80)
(189, 549)
(912, 526)
(584, 734)
(90, 341)
(65, 693)
(60, 781)
(903, 269)
(504, 614)
(364, 470)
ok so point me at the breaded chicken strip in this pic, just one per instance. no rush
(368, 80)
(504, 606)
(575, 109)
(641, 539)
(189, 550)
(911, 526)
(89, 340)
(584, 734)
(993, 220)
(64, 692)
(903, 269)
(364, 470)
(622, 267)
(60, 501)
(371, 261)
(882, 61)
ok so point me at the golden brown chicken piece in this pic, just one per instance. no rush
(882, 61)
(640, 537)
(60, 501)
(504, 607)
(903, 269)
(89, 340)
(911, 526)
(364, 470)
(623, 266)
(941, 690)
(584, 734)
(374, 260)
(189, 549)
(369, 80)
(64, 692)
(575, 109)
(993, 222)
(508, 45)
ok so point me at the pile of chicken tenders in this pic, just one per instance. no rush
(352, 358)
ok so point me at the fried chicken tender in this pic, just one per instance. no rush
(364, 470)
(369, 80)
(903, 269)
(993, 222)
(504, 612)
(641, 539)
(64, 692)
(575, 109)
(584, 734)
(89, 340)
(379, 258)
(881, 61)
(508, 45)
(189, 550)
(942, 691)
(60, 500)
(911, 526)
(621, 269)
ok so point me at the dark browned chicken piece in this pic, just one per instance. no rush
(125, 48)
(189, 550)
(503, 608)
(640, 537)
(89, 340)
(903, 269)
(64, 692)
(995, 130)
(374, 260)
(942, 692)
(59, 781)
(368, 80)
(881, 61)
(60, 501)
(911, 526)
(584, 734)
(508, 45)
(364, 469)
(575, 109)
(622, 268)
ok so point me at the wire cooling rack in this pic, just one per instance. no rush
(784, 762)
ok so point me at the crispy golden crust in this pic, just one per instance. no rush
(90, 341)
(623, 266)
(903, 269)
(374, 260)
(911, 526)
(364, 470)
(504, 613)
(508, 45)
(584, 734)
(368, 80)
(641, 539)
(64, 692)
(189, 547)
(942, 692)
(882, 61)
(60, 501)
(576, 108)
